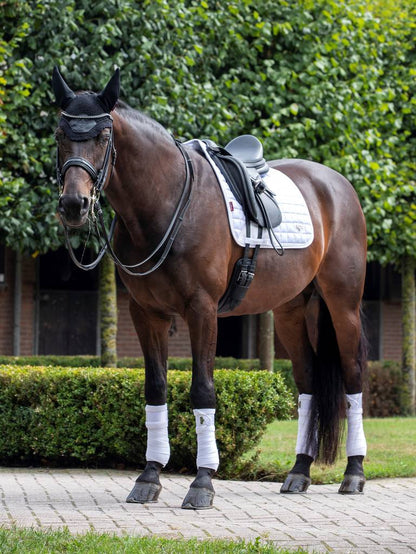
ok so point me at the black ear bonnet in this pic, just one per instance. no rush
(85, 115)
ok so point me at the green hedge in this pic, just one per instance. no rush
(386, 393)
(173, 363)
(95, 416)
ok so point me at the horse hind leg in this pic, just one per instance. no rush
(356, 447)
(291, 327)
(346, 318)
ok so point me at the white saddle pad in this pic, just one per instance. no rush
(296, 229)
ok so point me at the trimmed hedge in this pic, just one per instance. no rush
(386, 393)
(173, 363)
(95, 416)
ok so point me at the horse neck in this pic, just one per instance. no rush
(147, 180)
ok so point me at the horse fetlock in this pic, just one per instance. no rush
(302, 465)
(355, 466)
(150, 473)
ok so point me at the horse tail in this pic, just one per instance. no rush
(326, 423)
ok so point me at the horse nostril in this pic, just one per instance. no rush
(73, 206)
(85, 204)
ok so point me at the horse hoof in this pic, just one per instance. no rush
(295, 483)
(198, 499)
(144, 492)
(352, 484)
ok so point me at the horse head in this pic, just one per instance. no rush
(84, 146)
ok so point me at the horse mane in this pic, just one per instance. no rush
(139, 118)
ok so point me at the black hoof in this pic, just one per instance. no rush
(144, 492)
(147, 487)
(201, 493)
(295, 483)
(198, 499)
(352, 484)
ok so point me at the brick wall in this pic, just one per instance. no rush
(391, 331)
(6, 307)
(127, 341)
(27, 320)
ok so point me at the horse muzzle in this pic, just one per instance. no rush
(73, 209)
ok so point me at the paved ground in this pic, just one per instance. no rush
(381, 520)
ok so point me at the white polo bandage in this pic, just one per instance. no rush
(158, 449)
(207, 453)
(356, 443)
(303, 445)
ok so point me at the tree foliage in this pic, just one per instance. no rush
(322, 80)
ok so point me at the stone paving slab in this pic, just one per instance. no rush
(383, 520)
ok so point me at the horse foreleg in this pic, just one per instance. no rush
(202, 321)
(153, 334)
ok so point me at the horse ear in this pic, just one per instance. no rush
(63, 94)
(109, 96)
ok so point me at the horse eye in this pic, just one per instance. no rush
(59, 135)
(103, 137)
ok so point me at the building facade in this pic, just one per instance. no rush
(48, 306)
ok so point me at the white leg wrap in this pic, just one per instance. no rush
(158, 449)
(207, 454)
(305, 412)
(356, 443)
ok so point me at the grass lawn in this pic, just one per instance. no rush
(391, 451)
(29, 541)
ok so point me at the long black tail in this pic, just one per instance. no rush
(326, 424)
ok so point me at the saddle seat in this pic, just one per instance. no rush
(249, 150)
(242, 164)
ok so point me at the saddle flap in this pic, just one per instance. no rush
(271, 216)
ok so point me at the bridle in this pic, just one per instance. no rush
(99, 179)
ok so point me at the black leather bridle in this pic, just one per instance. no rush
(99, 179)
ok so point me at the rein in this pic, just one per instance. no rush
(99, 179)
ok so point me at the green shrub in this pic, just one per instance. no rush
(387, 392)
(96, 416)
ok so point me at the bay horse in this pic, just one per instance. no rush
(171, 215)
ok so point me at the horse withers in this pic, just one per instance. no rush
(173, 245)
